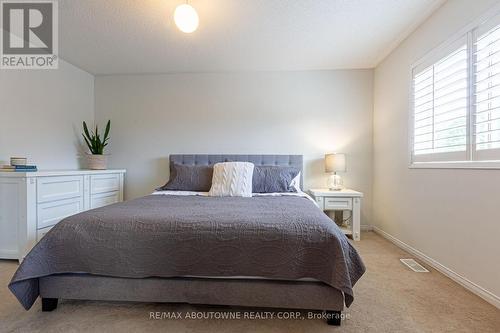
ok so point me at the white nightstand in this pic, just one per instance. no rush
(342, 200)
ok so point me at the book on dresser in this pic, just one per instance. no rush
(32, 202)
(19, 168)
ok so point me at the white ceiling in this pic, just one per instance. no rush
(139, 36)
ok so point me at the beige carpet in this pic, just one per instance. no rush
(388, 298)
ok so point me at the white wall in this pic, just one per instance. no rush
(310, 113)
(451, 216)
(41, 113)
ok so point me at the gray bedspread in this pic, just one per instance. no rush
(167, 236)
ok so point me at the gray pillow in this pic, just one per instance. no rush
(271, 178)
(189, 178)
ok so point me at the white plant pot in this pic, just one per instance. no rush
(97, 162)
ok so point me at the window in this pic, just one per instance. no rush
(487, 92)
(456, 100)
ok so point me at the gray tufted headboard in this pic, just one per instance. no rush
(200, 159)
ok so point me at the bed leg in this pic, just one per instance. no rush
(49, 304)
(333, 318)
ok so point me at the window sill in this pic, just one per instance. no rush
(456, 165)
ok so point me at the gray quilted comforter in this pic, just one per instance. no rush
(167, 236)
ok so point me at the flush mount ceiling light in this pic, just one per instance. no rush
(186, 18)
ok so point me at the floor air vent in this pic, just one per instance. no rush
(414, 266)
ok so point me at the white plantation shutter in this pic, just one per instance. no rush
(456, 100)
(486, 69)
(440, 103)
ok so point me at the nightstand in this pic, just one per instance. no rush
(344, 200)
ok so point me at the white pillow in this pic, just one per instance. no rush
(232, 179)
(295, 184)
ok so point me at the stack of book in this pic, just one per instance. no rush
(18, 168)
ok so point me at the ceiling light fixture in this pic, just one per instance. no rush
(186, 18)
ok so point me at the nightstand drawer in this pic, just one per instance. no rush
(338, 203)
(320, 201)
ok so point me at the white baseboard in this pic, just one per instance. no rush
(467, 284)
(8, 254)
(366, 227)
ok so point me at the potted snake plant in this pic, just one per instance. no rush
(96, 160)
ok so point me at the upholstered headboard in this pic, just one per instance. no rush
(200, 159)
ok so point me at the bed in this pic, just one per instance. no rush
(275, 251)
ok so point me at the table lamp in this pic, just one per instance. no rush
(335, 163)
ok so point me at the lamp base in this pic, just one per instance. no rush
(335, 189)
(335, 183)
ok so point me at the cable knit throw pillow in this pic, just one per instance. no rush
(232, 179)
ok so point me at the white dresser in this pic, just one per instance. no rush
(31, 203)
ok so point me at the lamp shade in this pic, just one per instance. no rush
(334, 162)
(186, 18)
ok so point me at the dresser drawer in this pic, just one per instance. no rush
(42, 232)
(57, 188)
(104, 183)
(338, 203)
(51, 213)
(104, 199)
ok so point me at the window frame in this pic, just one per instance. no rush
(447, 160)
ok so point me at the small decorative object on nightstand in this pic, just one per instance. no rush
(335, 163)
(344, 200)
